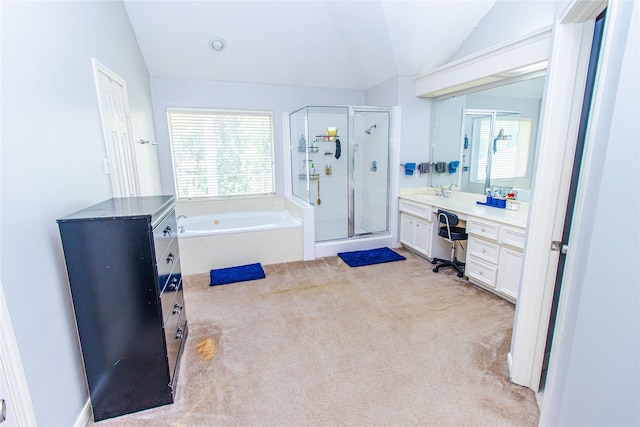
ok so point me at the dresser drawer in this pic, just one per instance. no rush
(167, 262)
(164, 233)
(478, 270)
(172, 299)
(175, 333)
(482, 228)
(512, 236)
(417, 209)
(484, 249)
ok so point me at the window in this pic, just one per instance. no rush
(222, 153)
(510, 156)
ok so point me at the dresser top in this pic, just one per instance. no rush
(127, 207)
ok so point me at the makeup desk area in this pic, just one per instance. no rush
(493, 251)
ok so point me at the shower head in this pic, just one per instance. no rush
(368, 131)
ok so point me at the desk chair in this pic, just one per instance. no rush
(452, 234)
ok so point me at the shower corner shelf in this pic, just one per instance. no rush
(326, 138)
(309, 149)
(310, 177)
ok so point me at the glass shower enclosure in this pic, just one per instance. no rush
(340, 164)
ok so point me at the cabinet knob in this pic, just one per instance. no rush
(177, 308)
(171, 258)
(482, 229)
(179, 333)
(484, 250)
(167, 231)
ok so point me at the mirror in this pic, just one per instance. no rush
(487, 138)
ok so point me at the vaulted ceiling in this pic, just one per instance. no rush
(327, 43)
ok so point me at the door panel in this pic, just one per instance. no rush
(370, 172)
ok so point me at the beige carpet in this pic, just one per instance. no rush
(322, 344)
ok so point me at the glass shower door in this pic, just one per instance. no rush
(370, 171)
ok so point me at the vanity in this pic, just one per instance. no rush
(493, 253)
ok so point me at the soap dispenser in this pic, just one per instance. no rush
(302, 147)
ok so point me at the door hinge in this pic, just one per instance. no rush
(558, 246)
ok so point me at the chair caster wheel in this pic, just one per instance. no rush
(460, 275)
(433, 262)
(435, 270)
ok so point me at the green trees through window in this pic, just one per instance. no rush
(219, 153)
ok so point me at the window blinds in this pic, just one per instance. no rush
(511, 155)
(222, 153)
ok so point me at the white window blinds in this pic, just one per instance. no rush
(510, 156)
(222, 153)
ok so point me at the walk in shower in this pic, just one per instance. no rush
(340, 165)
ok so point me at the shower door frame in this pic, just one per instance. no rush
(352, 110)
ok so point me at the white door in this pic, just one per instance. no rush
(16, 408)
(116, 126)
(7, 410)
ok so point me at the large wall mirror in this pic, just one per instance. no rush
(487, 138)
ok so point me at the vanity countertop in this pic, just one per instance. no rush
(464, 205)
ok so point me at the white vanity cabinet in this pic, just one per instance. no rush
(511, 247)
(494, 256)
(416, 227)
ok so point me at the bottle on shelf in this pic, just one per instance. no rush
(303, 144)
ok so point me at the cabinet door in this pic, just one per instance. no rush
(509, 272)
(407, 230)
(423, 237)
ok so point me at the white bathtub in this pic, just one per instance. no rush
(238, 238)
(238, 222)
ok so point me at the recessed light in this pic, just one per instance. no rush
(217, 43)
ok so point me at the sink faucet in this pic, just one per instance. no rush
(181, 216)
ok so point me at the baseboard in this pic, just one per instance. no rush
(85, 416)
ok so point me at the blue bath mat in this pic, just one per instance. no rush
(242, 273)
(371, 256)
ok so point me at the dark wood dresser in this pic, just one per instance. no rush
(124, 273)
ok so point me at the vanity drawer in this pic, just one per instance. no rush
(483, 228)
(478, 270)
(483, 249)
(417, 209)
(512, 236)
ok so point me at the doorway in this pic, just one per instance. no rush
(562, 245)
(120, 163)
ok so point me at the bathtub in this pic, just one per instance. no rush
(238, 238)
(238, 222)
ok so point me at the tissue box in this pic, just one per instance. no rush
(512, 205)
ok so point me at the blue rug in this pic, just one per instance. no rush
(371, 256)
(242, 273)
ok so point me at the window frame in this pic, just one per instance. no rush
(213, 112)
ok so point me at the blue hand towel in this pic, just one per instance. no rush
(453, 166)
(409, 168)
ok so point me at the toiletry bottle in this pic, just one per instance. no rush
(327, 169)
(303, 144)
(313, 169)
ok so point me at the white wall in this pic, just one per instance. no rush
(169, 92)
(51, 165)
(417, 113)
(595, 367)
(507, 20)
